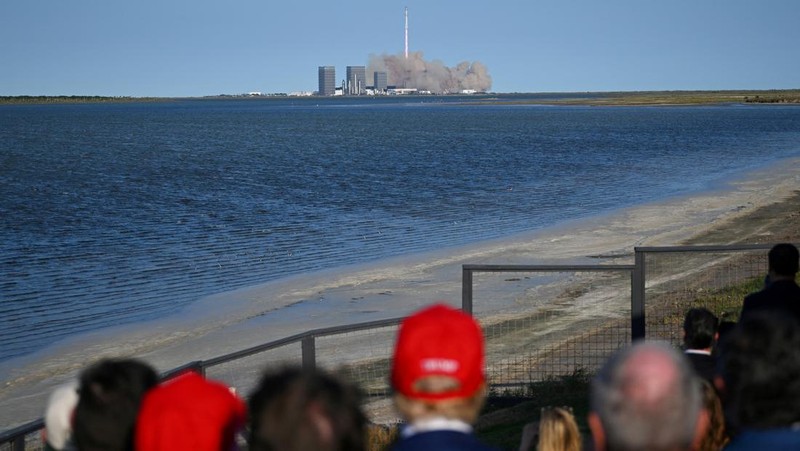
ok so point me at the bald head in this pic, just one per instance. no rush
(646, 397)
(649, 377)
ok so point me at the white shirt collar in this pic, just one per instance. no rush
(697, 351)
(435, 424)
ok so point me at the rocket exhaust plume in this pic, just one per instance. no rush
(414, 72)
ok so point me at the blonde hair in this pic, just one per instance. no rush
(558, 430)
(464, 409)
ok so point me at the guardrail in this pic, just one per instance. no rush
(513, 357)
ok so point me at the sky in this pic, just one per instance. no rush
(177, 48)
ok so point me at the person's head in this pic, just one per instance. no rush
(759, 372)
(699, 328)
(438, 365)
(294, 409)
(783, 260)
(646, 396)
(558, 430)
(110, 393)
(725, 327)
(189, 412)
(58, 415)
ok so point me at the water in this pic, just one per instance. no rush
(118, 213)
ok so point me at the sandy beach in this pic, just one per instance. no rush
(761, 206)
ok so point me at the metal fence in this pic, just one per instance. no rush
(539, 322)
(680, 277)
(542, 322)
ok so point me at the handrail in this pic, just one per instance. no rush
(299, 338)
(17, 435)
(705, 248)
(547, 268)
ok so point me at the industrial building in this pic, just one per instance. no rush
(380, 81)
(356, 82)
(327, 80)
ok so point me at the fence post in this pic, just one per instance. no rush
(637, 296)
(466, 290)
(19, 443)
(309, 353)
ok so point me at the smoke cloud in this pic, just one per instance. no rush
(432, 76)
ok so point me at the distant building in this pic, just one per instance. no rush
(401, 91)
(327, 80)
(356, 80)
(380, 81)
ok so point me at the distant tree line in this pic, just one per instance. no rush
(71, 99)
(793, 97)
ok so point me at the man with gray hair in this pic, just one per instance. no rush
(646, 397)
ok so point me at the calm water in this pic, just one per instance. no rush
(113, 214)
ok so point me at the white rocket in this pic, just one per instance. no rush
(406, 32)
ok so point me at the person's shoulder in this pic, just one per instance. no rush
(780, 438)
(441, 441)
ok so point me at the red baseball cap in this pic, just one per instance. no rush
(438, 341)
(189, 413)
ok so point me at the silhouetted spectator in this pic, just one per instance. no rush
(189, 413)
(110, 394)
(724, 328)
(438, 378)
(646, 397)
(781, 291)
(699, 335)
(294, 410)
(759, 366)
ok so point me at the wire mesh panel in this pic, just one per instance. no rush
(363, 357)
(544, 325)
(244, 373)
(677, 280)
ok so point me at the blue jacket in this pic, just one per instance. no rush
(768, 439)
(441, 441)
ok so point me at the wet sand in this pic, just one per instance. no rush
(762, 206)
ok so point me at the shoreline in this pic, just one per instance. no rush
(397, 286)
(606, 98)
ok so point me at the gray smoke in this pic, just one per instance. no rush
(432, 76)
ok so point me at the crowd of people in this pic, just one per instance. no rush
(733, 389)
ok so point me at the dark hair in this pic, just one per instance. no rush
(760, 365)
(699, 327)
(784, 259)
(294, 409)
(109, 396)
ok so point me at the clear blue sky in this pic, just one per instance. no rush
(204, 47)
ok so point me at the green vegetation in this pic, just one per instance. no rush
(643, 98)
(508, 410)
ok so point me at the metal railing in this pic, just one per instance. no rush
(592, 311)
